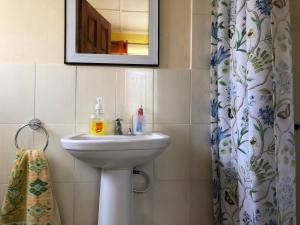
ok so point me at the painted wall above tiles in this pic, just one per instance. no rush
(38, 36)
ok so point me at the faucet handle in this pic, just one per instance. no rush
(118, 126)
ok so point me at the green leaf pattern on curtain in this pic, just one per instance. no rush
(252, 127)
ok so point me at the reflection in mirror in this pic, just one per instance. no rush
(119, 27)
(112, 32)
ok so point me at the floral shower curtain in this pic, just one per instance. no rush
(252, 127)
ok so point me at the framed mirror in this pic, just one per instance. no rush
(112, 32)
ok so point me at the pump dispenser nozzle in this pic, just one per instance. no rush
(98, 105)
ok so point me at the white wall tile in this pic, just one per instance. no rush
(171, 203)
(82, 128)
(201, 211)
(201, 41)
(172, 96)
(64, 195)
(173, 164)
(297, 118)
(297, 198)
(91, 83)
(143, 203)
(55, 93)
(201, 6)
(8, 149)
(86, 203)
(295, 8)
(143, 208)
(134, 88)
(200, 96)
(61, 163)
(3, 189)
(16, 93)
(85, 173)
(200, 158)
(297, 144)
(295, 22)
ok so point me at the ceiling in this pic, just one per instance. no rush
(130, 16)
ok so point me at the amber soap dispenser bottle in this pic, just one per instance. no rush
(98, 125)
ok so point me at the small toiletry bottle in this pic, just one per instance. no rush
(98, 125)
(138, 121)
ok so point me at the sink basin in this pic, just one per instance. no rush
(115, 151)
(116, 155)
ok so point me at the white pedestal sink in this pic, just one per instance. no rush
(116, 155)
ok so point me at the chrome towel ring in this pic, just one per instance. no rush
(34, 124)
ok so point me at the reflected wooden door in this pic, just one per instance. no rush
(93, 33)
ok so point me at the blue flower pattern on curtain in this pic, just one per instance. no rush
(252, 127)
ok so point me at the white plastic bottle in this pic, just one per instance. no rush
(138, 121)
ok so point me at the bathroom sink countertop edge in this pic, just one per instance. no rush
(80, 141)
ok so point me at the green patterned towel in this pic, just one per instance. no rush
(29, 198)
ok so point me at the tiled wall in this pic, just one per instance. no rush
(176, 99)
(200, 159)
(63, 98)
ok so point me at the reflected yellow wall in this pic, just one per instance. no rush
(130, 37)
(138, 49)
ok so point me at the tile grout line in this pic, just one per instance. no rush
(74, 203)
(34, 91)
(189, 172)
(75, 129)
(34, 99)
(185, 180)
(152, 190)
(191, 35)
(116, 92)
(191, 95)
(155, 99)
(75, 110)
(153, 105)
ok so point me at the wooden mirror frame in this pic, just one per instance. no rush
(74, 58)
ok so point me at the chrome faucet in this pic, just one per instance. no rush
(118, 127)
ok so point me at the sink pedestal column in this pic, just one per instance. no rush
(115, 197)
